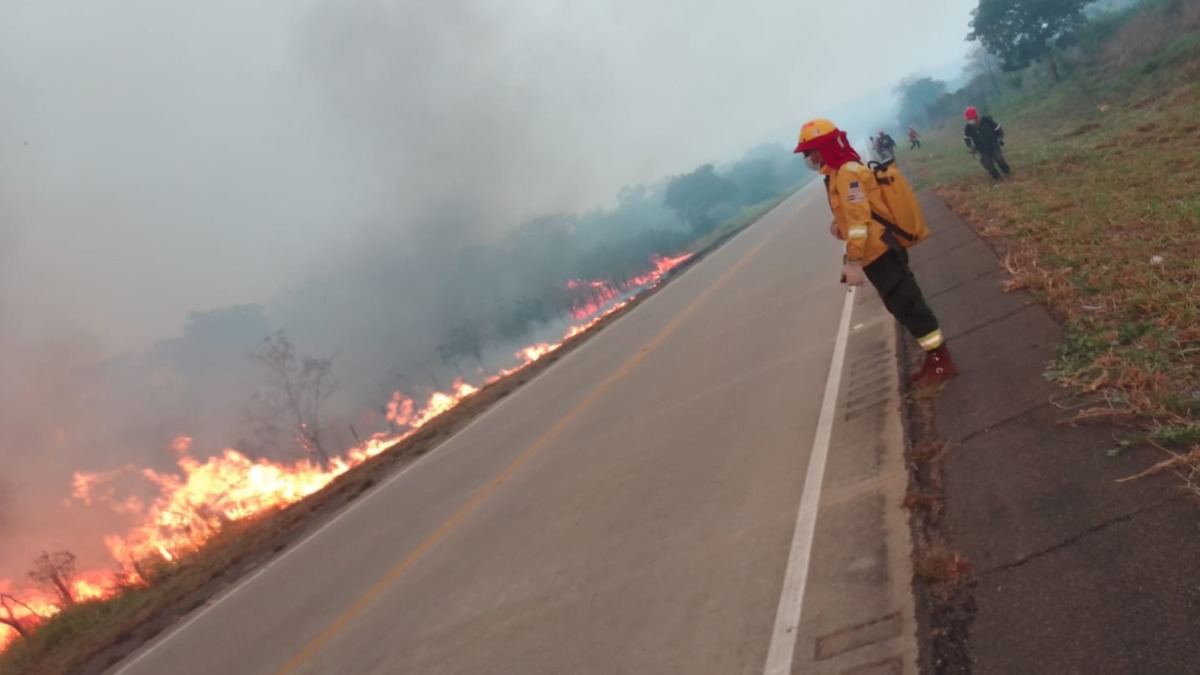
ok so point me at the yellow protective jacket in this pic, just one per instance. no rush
(853, 195)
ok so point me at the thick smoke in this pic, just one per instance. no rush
(366, 176)
(406, 188)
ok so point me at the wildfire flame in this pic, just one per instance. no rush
(32, 609)
(534, 352)
(202, 497)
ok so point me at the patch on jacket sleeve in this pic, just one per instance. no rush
(854, 193)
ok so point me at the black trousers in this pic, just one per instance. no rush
(990, 158)
(892, 277)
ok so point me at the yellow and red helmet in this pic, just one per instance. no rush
(815, 133)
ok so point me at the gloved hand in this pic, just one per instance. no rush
(833, 229)
(852, 274)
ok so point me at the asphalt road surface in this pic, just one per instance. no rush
(678, 495)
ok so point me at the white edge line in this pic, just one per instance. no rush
(212, 603)
(791, 597)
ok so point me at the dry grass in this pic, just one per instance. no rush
(1137, 40)
(1101, 221)
(1186, 466)
(941, 566)
(925, 394)
(927, 451)
(929, 503)
(1101, 186)
(942, 579)
(1140, 39)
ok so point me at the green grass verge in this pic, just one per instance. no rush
(1101, 220)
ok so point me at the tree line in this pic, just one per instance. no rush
(1021, 45)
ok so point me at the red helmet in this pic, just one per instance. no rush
(970, 113)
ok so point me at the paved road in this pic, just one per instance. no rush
(632, 510)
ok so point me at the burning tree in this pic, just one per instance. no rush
(461, 341)
(299, 387)
(54, 572)
(9, 618)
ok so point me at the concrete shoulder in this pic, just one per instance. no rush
(1072, 572)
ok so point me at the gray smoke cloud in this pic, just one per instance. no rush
(365, 174)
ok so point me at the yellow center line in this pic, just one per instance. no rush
(486, 491)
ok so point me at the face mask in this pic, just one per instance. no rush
(813, 160)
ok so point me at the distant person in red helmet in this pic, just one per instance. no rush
(859, 213)
(984, 136)
(914, 139)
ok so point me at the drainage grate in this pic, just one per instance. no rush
(870, 383)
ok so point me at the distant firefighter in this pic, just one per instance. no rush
(984, 136)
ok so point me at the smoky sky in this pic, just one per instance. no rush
(331, 160)
(161, 157)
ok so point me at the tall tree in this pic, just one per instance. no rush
(983, 64)
(213, 340)
(1023, 31)
(917, 94)
(756, 179)
(694, 196)
(464, 339)
(55, 571)
(299, 386)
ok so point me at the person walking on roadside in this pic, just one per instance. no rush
(984, 136)
(887, 146)
(858, 215)
(914, 139)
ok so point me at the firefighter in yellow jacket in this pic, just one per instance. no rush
(872, 254)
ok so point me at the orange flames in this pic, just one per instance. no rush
(195, 502)
(591, 297)
(534, 352)
(30, 609)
